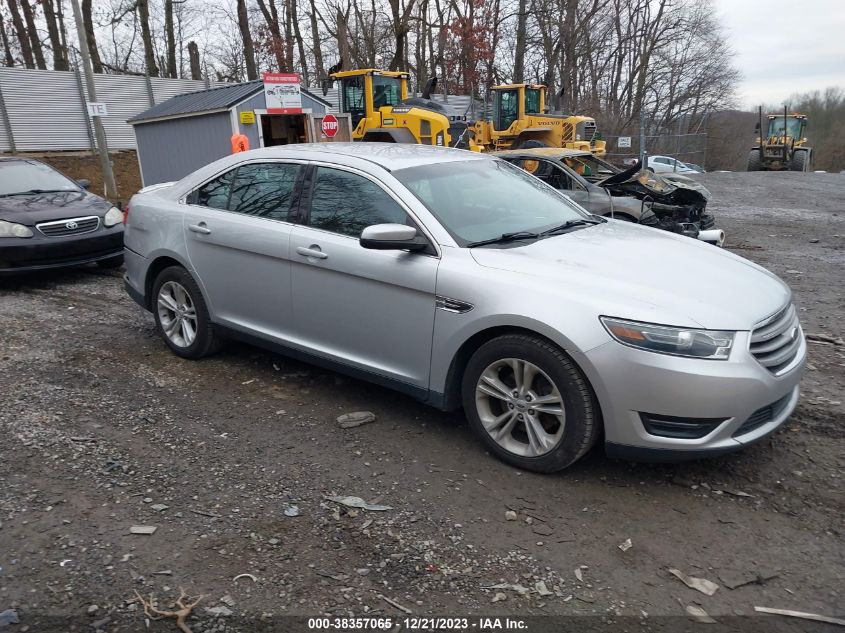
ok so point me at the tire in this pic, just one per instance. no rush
(111, 262)
(531, 144)
(800, 160)
(166, 291)
(755, 160)
(566, 437)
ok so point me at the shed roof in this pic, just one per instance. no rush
(204, 101)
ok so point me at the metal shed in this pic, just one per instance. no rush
(193, 129)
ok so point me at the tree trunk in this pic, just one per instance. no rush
(170, 40)
(23, 36)
(401, 27)
(318, 49)
(90, 36)
(519, 52)
(288, 41)
(143, 7)
(7, 49)
(59, 52)
(303, 59)
(194, 56)
(342, 21)
(34, 40)
(246, 36)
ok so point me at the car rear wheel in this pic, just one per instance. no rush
(181, 314)
(529, 403)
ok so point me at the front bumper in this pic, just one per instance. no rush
(20, 255)
(739, 391)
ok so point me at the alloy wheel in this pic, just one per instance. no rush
(520, 407)
(177, 314)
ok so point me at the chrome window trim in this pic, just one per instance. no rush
(64, 222)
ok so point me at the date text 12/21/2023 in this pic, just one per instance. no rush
(419, 623)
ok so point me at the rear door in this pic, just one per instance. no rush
(237, 229)
(370, 309)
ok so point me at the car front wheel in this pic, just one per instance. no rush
(181, 314)
(529, 403)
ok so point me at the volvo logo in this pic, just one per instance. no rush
(71, 225)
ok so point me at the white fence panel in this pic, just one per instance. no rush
(45, 110)
(124, 96)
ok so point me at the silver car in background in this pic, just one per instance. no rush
(461, 280)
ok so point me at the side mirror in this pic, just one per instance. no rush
(392, 237)
(757, 127)
(84, 183)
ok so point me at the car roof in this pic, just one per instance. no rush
(547, 152)
(390, 156)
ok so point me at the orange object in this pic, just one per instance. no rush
(240, 143)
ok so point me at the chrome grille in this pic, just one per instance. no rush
(776, 341)
(69, 226)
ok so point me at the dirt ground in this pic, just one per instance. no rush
(104, 429)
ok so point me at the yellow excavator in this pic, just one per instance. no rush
(381, 110)
(783, 147)
(520, 121)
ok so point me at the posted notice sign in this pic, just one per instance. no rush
(281, 91)
(624, 141)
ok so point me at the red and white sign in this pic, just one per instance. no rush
(281, 92)
(330, 125)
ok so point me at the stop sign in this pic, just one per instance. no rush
(329, 125)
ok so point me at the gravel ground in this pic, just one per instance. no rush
(104, 429)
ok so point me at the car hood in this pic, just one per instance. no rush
(659, 186)
(43, 207)
(630, 271)
(685, 182)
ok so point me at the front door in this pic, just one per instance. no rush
(237, 232)
(373, 310)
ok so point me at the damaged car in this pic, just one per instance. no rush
(671, 202)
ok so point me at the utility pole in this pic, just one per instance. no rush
(643, 151)
(99, 132)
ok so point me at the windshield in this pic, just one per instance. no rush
(793, 127)
(532, 101)
(506, 108)
(353, 98)
(387, 91)
(22, 176)
(478, 200)
(590, 167)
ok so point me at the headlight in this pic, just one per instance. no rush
(10, 229)
(113, 216)
(677, 341)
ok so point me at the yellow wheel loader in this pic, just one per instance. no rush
(520, 121)
(784, 146)
(378, 104)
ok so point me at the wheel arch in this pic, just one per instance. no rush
(451, 396)
(153, 270)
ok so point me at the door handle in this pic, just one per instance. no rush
(199, 228)
(314, 251)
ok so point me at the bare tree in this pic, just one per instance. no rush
(276, 43)
(143, 8)
(34, 39)
(401, 28)
(170, 40)
(194, 58)
(90, 36)
(60, 61)
(22, 35)
(7, 48)
(246, 37)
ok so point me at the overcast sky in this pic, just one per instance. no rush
(785, 46)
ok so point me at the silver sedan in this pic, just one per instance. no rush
(461, 280)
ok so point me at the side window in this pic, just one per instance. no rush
(546, 171)
(346, 203)
(215, 193)
(264, 189)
